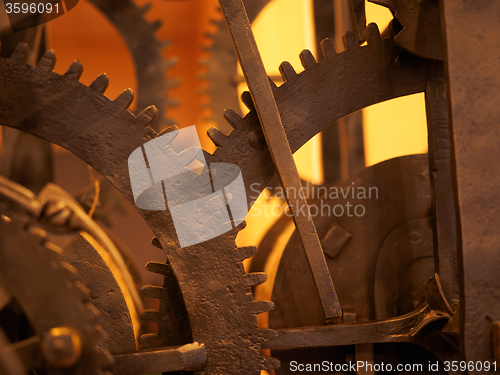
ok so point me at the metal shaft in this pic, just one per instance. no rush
(263, 98)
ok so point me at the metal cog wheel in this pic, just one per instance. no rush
(211, 277)
(50, 300)
(222, 66)
(151, 68)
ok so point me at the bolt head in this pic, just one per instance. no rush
(62, 346)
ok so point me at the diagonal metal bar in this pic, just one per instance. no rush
(263, 98)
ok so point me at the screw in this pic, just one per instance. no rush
(62, 346)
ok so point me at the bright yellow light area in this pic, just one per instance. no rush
(396, 127)
(282, 30)
(378, 14)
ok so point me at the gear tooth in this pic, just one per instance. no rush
(99, 333)
(154, 291)
(174, 82)
(100, 84)
(54, 248)
(172, 103)
(154, 241)
(255, 278)
(145, 8)
(328, 49)
(307, 59)
(372, 34)
(48, 61)
(103, 356)
(270, 363)
(258, 307)
(156, 25)
(124, 100)
(164, 44)
(153, 316)
(167, 130)
(170, 122)
(151, 340)
(246, 98)
(71, 272)
(350, 40)
(74, 71)
(267, 334)
(232, 118)
(82, 288)
(287, 71)
(217, 137)
(242, 253)
(203, 61)
(93, 311)
(171, 62)
(274, 88)
(157, 267)
(21, 52)
(147, 115)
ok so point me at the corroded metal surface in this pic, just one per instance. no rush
(206, 294)
(473, 93)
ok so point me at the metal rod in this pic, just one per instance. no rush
(263, 98)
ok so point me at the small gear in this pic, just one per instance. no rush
(421, 26)
(43, 288)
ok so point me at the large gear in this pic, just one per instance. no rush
(214, 285)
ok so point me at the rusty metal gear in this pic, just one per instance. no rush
(214, 286)
(49, 298)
